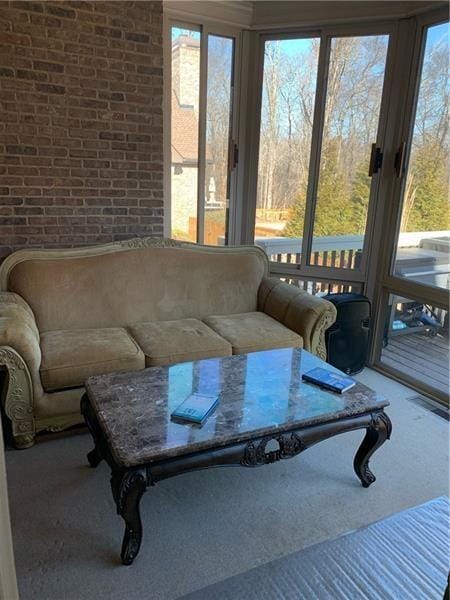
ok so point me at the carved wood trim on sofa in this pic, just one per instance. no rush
(132, 244)
(18, 403)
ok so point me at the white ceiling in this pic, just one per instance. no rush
(269, 14)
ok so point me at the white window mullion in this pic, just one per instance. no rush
(202, 135)
(167, 126)
(233, 143)
(249, 120)
(316, 145)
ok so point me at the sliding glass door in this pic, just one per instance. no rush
(201, 133)
(287, 115)
(218, 162)
(185, 105)
(320, 151)
(423, 240)
(352, 189)
(413, 331)
(350, 125)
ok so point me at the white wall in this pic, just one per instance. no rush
(268, 15)
(229, 12)
(8, 584)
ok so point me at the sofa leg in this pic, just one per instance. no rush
(23, 441)
(18, 399)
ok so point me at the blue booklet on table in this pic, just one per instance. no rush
(329, 380)
(196, 408)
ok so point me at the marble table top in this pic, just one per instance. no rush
(261, 393)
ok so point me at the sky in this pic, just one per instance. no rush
(438, 33)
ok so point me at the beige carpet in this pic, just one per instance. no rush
(404, 556)
(203, 527)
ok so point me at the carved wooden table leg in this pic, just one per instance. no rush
(94, 456)
(376, 434)
(128, 490)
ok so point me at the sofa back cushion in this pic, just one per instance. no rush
(117, 285)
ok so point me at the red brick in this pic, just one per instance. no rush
(28, 6)
(46, 66)
(67, 13)
(108, 31)
(29, 210)
(6, 72)
(141, 38)
(45, 21)
(13, 38)
(28, 150)
(81, 147)
(50, 88)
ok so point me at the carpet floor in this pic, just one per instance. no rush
(203, 527)
(404, 556)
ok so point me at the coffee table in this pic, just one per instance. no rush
(266, 413)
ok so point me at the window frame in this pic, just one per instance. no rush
(206, 28)
(401, 120)
(326, 33)
(424, 23)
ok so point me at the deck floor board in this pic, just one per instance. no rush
(420, 357)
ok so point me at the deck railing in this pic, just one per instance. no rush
(321, 288)
(342, 251)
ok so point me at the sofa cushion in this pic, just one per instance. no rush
(70, 357)
(249, 332)
(168, 342)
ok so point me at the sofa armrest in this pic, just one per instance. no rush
(20, 355)
(18, 330)
(307, 315)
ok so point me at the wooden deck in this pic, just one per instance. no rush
(421, 357)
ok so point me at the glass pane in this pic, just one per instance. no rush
(321, 288)
(184, 132)
(354, 88)
(289, 91)
(218, 123)
(416, 342)
(424, 240)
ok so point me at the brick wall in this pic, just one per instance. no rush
(81, 157)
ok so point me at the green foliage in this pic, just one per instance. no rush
(341, 207)
(354, 90)
(360, 198)
(294, 225)
(427, 197)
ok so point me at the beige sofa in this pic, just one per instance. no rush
(68, 314)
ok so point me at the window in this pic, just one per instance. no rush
(415, 342)
(184, 131)
(201, 128)
(218, 124)
(424, 240)
(287, 113)
(320, 113)
(353, 101)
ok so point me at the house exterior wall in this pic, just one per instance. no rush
(81, 148)
(186, 74)
(186, 85)
(184, 200)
